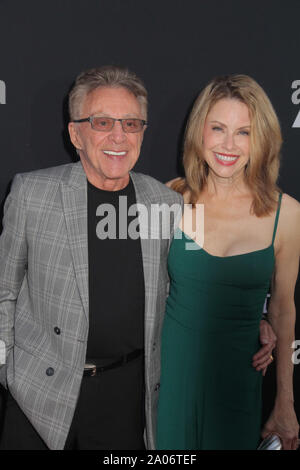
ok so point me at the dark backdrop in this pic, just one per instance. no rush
(175, 46)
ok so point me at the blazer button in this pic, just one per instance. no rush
(50, 371)
(157, 387)
(57, 330)
(154, 347)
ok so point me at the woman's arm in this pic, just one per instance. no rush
(282, 314)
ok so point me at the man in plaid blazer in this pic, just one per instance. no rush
(45, 286)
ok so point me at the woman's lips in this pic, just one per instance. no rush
(226, 159)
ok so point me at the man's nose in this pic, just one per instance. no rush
(117, 134)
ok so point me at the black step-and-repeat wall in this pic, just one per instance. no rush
(175, 46)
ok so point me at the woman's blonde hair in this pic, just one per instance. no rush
(261, 172)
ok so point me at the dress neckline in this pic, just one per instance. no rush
(270, 247)
(229, 256)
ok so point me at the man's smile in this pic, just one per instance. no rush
(114, 153)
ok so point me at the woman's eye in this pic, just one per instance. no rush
(217, 128)
(244, 132)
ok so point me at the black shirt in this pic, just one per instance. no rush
(116, 279)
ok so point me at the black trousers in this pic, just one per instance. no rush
(109, 415)
(18, 433)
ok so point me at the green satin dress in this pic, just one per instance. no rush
(210, 394)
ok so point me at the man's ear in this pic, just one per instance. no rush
(74, 135)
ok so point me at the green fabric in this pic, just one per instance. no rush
(210, 394)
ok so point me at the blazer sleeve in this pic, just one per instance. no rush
(13, 265)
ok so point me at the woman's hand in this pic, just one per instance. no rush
(264, 357)
(283, 422)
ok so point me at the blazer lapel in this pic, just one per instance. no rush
(151, 260)
(74, 198)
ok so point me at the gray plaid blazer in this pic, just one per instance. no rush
(44, 285)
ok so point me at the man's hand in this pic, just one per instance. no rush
(268, 339)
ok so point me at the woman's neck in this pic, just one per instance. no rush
(225, 188)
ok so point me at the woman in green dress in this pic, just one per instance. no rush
(220, 273)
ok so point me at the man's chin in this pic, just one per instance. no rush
(111, 181)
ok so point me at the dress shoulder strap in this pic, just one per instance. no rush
(277, 217)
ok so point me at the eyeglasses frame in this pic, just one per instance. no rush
(90, 120)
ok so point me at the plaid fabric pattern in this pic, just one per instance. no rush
(44, 285)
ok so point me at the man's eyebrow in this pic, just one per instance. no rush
(125, 116)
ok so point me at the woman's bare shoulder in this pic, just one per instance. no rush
(289, 218)
(174, 181)
(290, 207)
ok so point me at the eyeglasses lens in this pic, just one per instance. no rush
(105, 124)
(132, 125)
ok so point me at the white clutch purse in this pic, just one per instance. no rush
(271, 442)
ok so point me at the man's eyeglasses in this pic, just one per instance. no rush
(105, 124)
